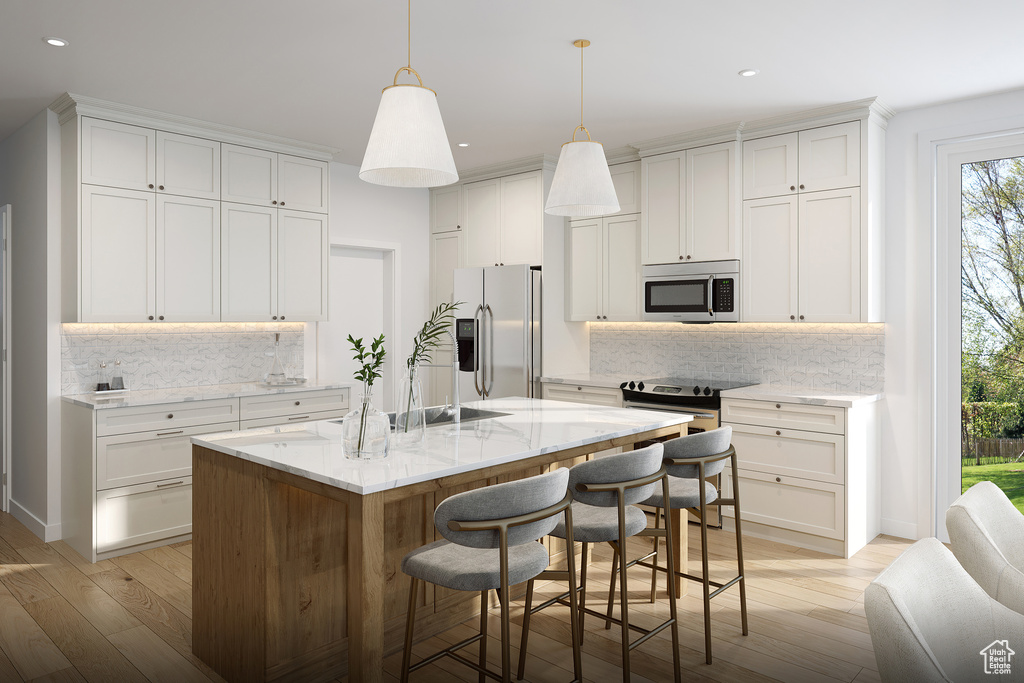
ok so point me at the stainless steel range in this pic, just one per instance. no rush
(698, 397)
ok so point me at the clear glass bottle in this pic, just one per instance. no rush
(410, 421)
(366, 431)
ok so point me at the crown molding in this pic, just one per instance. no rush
(69, 105)
(545, 162)
(869, 108)
(621, 155)
(729, 132)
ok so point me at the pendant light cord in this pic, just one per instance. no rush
(581, 82)
(409, 54)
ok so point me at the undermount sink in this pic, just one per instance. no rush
(437, 415)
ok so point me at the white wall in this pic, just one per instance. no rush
(364, 212)
(907, 439)
(30, 182)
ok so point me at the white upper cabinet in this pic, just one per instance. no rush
(626, 181)
(118, 155)
(522, 219)
(248, 263)
(302, 184)
(604, 271)
(770, 166)
(445, 257)
(248, 176)
(187, 166)
(504, 220)
(446, 209)
(302, 254)
(187, 259)
(118, 255)
(812, 160)
(770, 260)
(690, 205)
(830, 157)
(830, 256)
(255, 176)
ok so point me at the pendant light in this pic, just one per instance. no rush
(582, 185)
(408, 145)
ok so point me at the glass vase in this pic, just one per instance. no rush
(410, 421)
(365, 431)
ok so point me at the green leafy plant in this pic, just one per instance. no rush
(370, 360)
(425, 342)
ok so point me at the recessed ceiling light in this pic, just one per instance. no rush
(463, 144)
(56, 42)
(747, 73)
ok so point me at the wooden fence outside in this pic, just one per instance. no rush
(993, 450)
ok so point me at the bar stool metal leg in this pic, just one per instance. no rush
(526, 630)
(624, 594)
(583, 589)
(611, 588)
(657, 547)
(483, 634)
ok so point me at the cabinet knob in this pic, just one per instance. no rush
(151, 186)
(161, 317)
(792, 187)
(792, 317)
(282, 317)
(801, 187)
(579, 388)
(777, 432)
(150, 317)
(170, 416)
(161, 187)
(275, 317)
(778, 479)
(680, 257)
(282, 203)
(778, 405)
(801, 317)
(458, 227)
(274, 202)
(298, 403)
(495, 264)
(688, 257)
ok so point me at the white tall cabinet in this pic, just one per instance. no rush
(150, 227)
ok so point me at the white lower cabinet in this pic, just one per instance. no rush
(808, 474)
(127, 472)
(580, 393)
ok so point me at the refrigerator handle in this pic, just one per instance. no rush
(477, 336)
(490, 364)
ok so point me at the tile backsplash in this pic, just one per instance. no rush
(847, 357)
(163, 355)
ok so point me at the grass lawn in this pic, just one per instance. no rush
(1007, 476)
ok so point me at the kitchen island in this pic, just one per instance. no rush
(296, 550)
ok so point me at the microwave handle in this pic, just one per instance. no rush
(711, 295)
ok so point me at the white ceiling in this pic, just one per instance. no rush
(506, 73)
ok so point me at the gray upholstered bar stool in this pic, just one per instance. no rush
(605, 491)
(479, 527)
(690, 460)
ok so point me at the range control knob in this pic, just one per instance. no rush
(696, 391)
(632, 386)
(640, 386)
(707, 391)
(623, 385)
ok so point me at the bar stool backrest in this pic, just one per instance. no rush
(696, 446)
(500, 501)
(611, 469)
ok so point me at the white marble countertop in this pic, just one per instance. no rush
(587, 379)
(806, 395)
(145, 397)
(532, 427)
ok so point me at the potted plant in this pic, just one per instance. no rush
(410, 423)
(366, 430)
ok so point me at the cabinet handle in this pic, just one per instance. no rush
(161, 187)
(274, 202)
(300, 417)
(180, 431)
(792, 187)
(801, 187)
(151, 186)
(150, 317)
(778, 433)
(778, 479)
(170, 416)
(170, 483)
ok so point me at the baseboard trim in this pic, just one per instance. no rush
(47, 532)
(900, 529)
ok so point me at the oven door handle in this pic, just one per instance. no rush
(668, 409)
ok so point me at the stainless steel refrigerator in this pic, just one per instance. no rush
(498, 331)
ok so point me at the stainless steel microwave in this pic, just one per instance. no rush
(692, 292)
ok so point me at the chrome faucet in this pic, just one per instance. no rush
(453, 410)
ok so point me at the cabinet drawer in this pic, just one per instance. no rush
(278, 421)
(166, 416)
(778, 415)
(293, 404)
(127, 459)
(577, 393)
(811, 507)
(790, 452)
(142, 514)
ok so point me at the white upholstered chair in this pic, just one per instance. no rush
(930, 621)
(987, 535)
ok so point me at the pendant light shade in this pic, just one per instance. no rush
(582, 185)
(408, 145)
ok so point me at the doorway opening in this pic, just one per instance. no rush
(992, 324)
(362, 303)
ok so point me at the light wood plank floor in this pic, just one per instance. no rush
(129, 619)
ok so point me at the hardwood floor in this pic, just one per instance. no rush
(129, 619)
